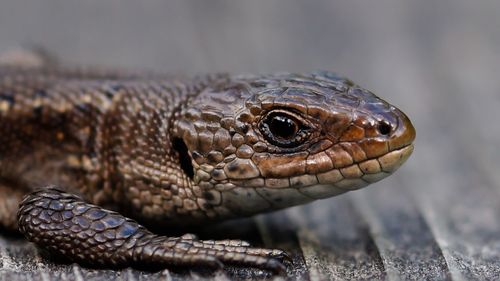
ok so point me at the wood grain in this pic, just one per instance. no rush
(437, 218)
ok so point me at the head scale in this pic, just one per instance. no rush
(260, 143)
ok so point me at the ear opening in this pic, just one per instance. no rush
(184, 158)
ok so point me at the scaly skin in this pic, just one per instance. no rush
(176, 151)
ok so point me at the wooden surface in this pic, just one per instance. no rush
(436, 218)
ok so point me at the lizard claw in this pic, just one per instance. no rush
(242, 254)
(282, 255)
(276, 266)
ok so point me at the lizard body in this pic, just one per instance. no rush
(169, 152)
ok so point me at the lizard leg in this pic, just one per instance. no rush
(10, 197)
(64, 224)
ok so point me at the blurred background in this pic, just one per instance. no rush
(439, 61)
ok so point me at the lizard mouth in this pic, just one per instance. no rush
(276, 193)
(338, 180)
(357, 175)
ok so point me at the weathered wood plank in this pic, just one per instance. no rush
(336, 242)
(454, 193)
(277, 231)
(406, 244)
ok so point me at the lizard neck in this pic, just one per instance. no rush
(154, 166)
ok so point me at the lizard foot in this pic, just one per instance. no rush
(64, 224)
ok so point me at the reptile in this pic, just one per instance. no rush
(86, 155)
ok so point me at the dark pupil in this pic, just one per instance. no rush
(283, 127)
(384, 128)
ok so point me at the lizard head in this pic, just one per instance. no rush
(259, 143)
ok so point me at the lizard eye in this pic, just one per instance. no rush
(384, 128)
(284, 129)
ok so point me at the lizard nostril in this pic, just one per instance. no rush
(384, 128)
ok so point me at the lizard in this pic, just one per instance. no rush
(86, 155)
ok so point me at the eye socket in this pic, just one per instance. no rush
(284, 129)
